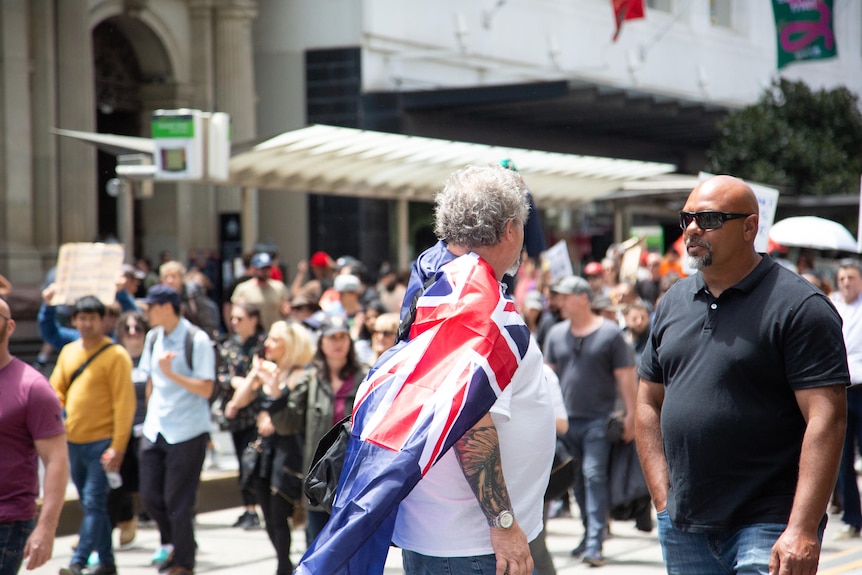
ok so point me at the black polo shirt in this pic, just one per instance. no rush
(731, 427)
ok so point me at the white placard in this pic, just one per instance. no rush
(559, 263)
(87, 269)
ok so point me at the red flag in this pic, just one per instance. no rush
(626, 10)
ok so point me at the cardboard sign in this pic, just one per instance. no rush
(559, 263)
(87, 269)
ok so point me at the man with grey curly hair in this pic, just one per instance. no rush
(452, 466)
(476, 204)
(481, 212)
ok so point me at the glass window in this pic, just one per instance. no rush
(721, 13)
(661, 5)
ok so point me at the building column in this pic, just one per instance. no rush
(76, 111)
(18, 258)
(43, 114)
(234, 94)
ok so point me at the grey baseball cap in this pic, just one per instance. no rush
(572, 285)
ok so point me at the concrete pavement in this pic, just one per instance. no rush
(224, 550)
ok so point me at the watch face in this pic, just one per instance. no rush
(506, 519)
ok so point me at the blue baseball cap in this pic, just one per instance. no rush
(161, 293)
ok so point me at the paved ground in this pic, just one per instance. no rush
(227, 551)
(224, 550)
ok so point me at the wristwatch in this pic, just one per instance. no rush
(503, 521)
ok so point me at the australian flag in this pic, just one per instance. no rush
(421, 396)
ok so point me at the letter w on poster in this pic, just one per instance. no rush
(87, 269)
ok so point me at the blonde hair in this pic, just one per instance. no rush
(171, 267)
(298, 349)
(387, 322)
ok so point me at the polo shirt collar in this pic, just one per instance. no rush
(747, 283)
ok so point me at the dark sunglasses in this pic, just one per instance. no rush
(708, 220)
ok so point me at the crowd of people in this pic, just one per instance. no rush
(138, 385)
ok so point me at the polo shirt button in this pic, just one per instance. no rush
(714, 306)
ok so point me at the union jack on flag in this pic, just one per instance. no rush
(465, 345)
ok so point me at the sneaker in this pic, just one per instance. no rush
(93, 559)
(848, 532)
(162, 554)
(251, 521)
(593, 559)
(128, 530)
(73, 569)
(104, 569)
(579, 550)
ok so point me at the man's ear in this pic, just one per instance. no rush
(752, 226)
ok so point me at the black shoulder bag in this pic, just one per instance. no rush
(84, 365)
(321, 481)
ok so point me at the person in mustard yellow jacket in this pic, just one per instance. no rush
(93, 380)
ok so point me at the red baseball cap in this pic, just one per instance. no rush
(320, 260)
(593, 269)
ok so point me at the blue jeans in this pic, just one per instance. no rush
(314, 524)
(13, 538)
(88, 475)
(744, 551)
(847, 486)
(588, 441)
(418, 564)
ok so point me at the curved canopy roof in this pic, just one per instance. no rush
(346, 161)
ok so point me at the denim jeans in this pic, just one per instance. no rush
(418, 564)
(588, 441)
(847, 486)
(744, 551)
(13, 537)
(88, 475)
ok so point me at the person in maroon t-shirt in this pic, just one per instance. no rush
(31, 428)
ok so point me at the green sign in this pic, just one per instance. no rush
(804, 30)
(173, 127)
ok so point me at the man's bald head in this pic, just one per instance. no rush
(721, 244)
(729, 194)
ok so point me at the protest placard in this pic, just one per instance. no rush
(87, 269)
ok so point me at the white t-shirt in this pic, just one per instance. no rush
(851, 316)
(441, 516)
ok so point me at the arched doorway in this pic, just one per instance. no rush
(118, 111)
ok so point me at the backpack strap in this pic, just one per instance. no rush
(189, 344)
(407, 321)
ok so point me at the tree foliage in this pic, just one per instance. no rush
(807, 142)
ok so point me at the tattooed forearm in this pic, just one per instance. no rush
(478, 452)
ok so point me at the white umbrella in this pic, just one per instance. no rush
(812, 232)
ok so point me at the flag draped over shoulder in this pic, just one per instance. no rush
(804, 30)
(465, 345)
(626, 10)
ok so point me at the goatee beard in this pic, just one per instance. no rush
(699, 262)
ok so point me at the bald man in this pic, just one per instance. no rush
(741, 407)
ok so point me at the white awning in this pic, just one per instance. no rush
(111, 143)
(345, 161)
